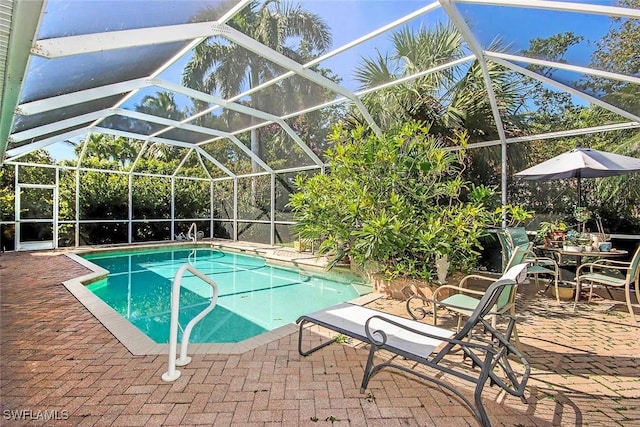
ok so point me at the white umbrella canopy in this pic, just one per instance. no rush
(580, 163)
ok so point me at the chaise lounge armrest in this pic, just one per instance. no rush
(417, 345)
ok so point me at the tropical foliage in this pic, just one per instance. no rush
(394, 202)
(614, 199)
(382, 212)
(453, 99)
(222, 68)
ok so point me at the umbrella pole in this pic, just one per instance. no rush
(579, 192)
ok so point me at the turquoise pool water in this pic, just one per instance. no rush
(253, 297)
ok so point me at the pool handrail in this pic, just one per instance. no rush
(172, 373)
(193, 236)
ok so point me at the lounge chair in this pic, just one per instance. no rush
(432, 346)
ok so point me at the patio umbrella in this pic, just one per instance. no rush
(581, 163)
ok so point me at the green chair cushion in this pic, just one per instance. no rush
(463, 303)
(603, 278)
(536, 269)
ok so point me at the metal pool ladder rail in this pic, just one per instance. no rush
(193, 236)
(172, 373)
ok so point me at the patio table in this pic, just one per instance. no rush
(616, 253)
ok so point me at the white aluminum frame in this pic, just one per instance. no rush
(18, 218)
(27, 16)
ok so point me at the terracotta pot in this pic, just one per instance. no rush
(402, 288)
(558, 235)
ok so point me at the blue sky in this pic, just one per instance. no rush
(350, 19)
(515, 26)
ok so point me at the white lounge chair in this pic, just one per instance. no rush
(430, 345)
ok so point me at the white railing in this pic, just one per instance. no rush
(172, 373)
(192, 234)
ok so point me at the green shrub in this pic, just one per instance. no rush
(394, 201)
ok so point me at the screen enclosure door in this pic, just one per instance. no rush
(36, 216)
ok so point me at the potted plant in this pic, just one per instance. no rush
(582, 215)
(572, 242)
(600, 236)
(552, 232)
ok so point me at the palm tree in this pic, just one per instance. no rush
(220, 66)
(449, 100)
(412, 52)
(163, 104)
(107, 149)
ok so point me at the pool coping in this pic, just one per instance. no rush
(137, 342)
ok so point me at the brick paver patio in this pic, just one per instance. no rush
(58, 361)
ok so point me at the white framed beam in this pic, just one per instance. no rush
(569, 89)
(415, 76)
(553, 135)
(333, 53)
(212, 159)
(168, 142)
(184, 159)
(223, 19)
(284, 126)
(308, 151)
(235, 9)
(139, 136)
(335, 101)
(139, 156)
(25, 19)
(244, 110)
(241, 109)
(234, 107)
(204, 167)
(83, 150)
(78, 97)
(382, 86)
(61, 47)
(161, 120)
(99, 42)
(62, 124)
(194, 128)
(341, 49)
(297, 169)
(17, 152)
(618, 12)
(564, 66)
(116, 172)
(244, 149)
(460, 23)
(228, 15)
(401, 21)
(250, 111)
(281, 60)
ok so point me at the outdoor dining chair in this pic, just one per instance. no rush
(601, 273)
(462, 301)
(513, 237)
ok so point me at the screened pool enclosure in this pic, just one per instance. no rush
(127, 121)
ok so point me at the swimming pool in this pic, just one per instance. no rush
(253, 297)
